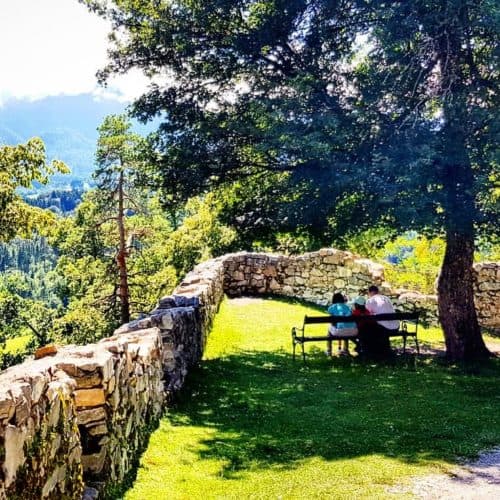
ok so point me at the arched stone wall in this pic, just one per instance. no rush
(87, 409)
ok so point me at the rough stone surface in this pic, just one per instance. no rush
(487, 294)
(63, 427)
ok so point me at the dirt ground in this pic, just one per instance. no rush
(479, 480)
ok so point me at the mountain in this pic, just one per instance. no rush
(67, 125)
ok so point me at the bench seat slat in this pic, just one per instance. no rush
(405, 316)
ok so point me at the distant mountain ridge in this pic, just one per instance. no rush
(67, 125)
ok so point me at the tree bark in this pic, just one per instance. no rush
(457, 312)
(121, 258)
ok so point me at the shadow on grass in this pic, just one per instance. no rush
(269, 411)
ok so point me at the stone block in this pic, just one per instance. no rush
(89, 397)
(48, 350)
(85, 417)
(89, 381)
(316, 272)
(274, 285)
(14, 452)
(57, 477)
(270, 271)
(7, 406)
(94, 462)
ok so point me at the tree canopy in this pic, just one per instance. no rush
(20, 166)
(374, 112)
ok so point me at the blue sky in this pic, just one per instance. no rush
(55, 47)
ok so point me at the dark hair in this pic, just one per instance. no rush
(338, 298)
(373, 288)
(361, 307)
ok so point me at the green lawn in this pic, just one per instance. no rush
(253, 424)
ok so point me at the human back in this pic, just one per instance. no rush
(380, 304)
(341, 309)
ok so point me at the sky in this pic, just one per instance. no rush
(55, 47)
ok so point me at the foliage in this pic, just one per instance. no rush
(82, 323)
(118, 162)
(201, 235)
(87, 263)
(252, 424)
(27, 268)
(368, 243)
(413, 262)
(22, 318)
(58, 201)
(13, 351)
(20, 166)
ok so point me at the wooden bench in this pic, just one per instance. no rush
(406, 319)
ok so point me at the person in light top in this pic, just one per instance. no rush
(379, 343)
(380, 304)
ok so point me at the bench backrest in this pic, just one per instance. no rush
(406, 316)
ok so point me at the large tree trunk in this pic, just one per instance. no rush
(457, 312)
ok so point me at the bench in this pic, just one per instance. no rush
(405, 318)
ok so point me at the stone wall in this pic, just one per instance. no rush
(315, 276)
(80, 414)
(86, 410)
(81, 409)
(184, 320)
(312, 276)
(40, 450)
(487, 294)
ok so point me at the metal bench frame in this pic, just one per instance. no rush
(405, 319)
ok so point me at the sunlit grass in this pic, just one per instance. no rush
(253, 424)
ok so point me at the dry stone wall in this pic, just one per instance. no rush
(315, 276)
(82, 410)
(312, 276)
(487, 294)
(81, 414)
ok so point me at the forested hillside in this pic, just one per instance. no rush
(58, 201)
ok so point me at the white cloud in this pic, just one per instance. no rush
(53, 47)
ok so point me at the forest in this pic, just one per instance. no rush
(286, 126)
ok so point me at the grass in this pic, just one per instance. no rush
(253, 424)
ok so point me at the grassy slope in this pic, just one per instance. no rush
(252, 424)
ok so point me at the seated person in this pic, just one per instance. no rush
(364, 326)
(340, 308)
(380, 304)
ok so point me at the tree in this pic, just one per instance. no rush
(401, 131)
(118, 159)
(431, 84)
(20, 166)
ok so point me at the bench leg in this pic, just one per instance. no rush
(303, 352)
(404, 344)
(418, 347)
(293, 350)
